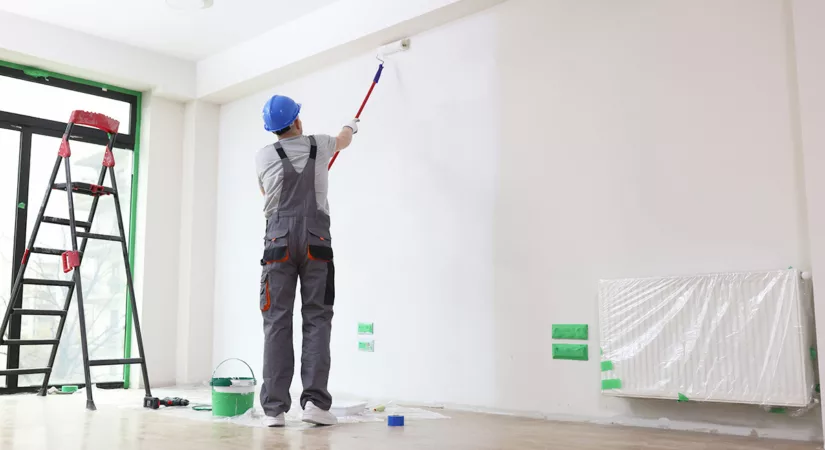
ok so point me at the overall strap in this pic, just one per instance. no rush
(313, 147)
(280, 150)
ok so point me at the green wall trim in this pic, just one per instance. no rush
(35, 72)
(127, 339)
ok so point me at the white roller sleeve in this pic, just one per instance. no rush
(395, 47)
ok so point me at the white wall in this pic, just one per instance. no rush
(809, 40)
(27, 41)
(157, 236)
(325, 36)
(400, 206)
(197, 241)
(509, 161)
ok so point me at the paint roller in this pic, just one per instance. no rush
(383, 52)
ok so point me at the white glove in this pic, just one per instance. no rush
(353, 125)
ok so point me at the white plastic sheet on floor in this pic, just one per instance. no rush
(202, 395)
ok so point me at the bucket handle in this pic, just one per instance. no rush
(235, 359)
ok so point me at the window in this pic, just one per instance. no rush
(34, 108)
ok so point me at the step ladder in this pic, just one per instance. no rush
(71, 260)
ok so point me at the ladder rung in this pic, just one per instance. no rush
(24, 371)
(39, 312)
(60, 283)
(116, 362)
(103, 237)
(31, 341)
(60, 221)
(48, 251)
(85, 188)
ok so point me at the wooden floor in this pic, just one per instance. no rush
(29, 422)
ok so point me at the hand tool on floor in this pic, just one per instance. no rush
(155, 403)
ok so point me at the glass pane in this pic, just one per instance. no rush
(103, 271)
(9, 154)
(48, 102)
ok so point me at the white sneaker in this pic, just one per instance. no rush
(317, 416)
(277, 421)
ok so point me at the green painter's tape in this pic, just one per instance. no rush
(612, 383)
(578, 332)
(127, 338)
(576, 352)
(778, 410)
(366, 328)
(36, 73)
(607, 365)
(682, 398)
(813, 354)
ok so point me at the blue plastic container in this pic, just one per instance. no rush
(395, 421)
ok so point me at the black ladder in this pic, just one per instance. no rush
(71, 259)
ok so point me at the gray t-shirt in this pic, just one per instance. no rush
(270, 171)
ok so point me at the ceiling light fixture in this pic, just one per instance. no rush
(190, 5)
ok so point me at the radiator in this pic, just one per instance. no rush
(730, 337)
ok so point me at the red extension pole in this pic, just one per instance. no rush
(361, 109)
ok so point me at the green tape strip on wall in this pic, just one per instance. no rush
(576, 352)
(612, 383)
(607, 365)
(570, 331)
(682, 398)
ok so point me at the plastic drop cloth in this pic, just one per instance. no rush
(348, 412)
(729, 337)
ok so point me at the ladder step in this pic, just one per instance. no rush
(85, 188)
(103, 237)
(48, 251)
(31, 341)
(60, 283)
(59, 221)
(24, 371)
(38, 312)
(116, 362)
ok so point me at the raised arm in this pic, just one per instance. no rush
(344, 138)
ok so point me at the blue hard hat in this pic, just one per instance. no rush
(279, 112)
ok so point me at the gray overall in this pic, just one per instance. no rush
(297, 244)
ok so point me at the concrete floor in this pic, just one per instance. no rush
(55, 422)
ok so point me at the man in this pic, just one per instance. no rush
(292, 174)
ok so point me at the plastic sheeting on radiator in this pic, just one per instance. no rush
(730, 337)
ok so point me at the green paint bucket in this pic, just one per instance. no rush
(232, 396)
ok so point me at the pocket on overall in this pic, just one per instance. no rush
(319, 245)
(276, 249)
(319, 248)
(266, 296)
